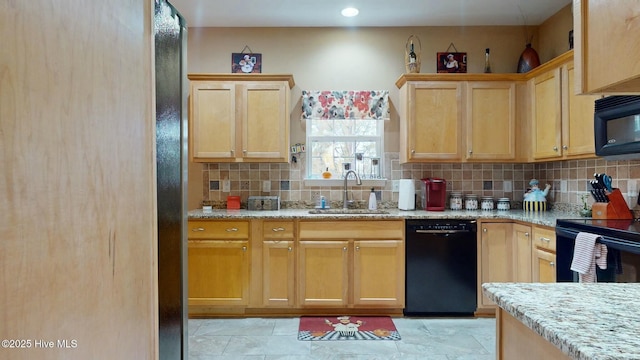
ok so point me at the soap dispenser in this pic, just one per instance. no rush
(372, 200)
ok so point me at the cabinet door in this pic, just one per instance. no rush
(434, 121)
(606, 46)
(547, 115)
(218, 272)
(577, 115)
(265, 122)
(544, 266)
(521, 243)
(495, 257)
(278, 259)
(378, 273)
(491, 120)
(323, 273)
(212, 125)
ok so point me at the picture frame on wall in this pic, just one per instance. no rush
(246, 63)
(452, 62)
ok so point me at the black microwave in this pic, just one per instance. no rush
(617, 127)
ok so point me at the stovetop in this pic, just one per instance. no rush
(611, 228)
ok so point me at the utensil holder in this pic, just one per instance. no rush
(616, 208)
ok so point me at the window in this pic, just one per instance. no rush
(343, 144)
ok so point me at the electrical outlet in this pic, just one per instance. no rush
(266, 186)
(632, 187)
(507, 186)
(395, 184)
(226, 186)
(563, 185)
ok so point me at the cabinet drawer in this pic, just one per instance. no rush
(544, 238)
(203, 229)
(363, 229)
(277, 230)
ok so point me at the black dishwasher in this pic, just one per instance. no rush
(441, 267)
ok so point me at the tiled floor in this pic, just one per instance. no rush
(276, 339)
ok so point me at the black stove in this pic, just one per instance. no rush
(622, 238)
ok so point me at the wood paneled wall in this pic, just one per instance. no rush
(77, 180)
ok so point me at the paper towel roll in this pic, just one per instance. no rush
(407, 195)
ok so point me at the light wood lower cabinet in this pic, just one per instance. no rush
(324, 273)
(544, 254)
(494, 257)
(218, 263)
(351, 264)
(278, 263)
(521, 253)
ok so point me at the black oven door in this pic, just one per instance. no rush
(623, 258)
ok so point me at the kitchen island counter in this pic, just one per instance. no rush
(584, 321)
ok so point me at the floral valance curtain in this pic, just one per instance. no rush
(346, 104)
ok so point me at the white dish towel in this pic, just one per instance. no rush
(586, 254)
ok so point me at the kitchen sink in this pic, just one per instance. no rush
(348, 211)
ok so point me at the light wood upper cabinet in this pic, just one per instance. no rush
(547, 115)
(562, 122)
(239, 117)
(577, 113)
(607, 50)
(431, 121)
(491, 120)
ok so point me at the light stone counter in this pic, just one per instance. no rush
(585, 321)
(545, 218)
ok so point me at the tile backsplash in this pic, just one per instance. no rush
(568, 180)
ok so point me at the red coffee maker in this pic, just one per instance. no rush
(434, 193)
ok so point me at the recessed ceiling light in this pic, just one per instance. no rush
(349, 12)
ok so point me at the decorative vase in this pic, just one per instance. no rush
(528, 59)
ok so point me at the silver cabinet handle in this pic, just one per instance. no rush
(232, 229)
(484, 230)
(526, 234)
(357, 248)
(552, 264)
(555, 148)
(244, 248)
(413, 151)
(289, 248)
(197, 229)
(565, 147)
(344, 248)
(232, 152)
(244, 151)
(545, 239)
(470, 152)
(277, 229)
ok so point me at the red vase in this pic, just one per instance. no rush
(528, 59)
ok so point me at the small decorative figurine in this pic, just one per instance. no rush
(536, 199)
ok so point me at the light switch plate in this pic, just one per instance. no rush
(563, 185)
(395, 185)
(507, 186)
(226, 186)
(266, 186)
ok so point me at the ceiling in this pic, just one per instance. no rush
(377, 13)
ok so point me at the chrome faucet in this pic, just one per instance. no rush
(345, 202)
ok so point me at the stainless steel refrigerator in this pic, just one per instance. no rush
(171, 133)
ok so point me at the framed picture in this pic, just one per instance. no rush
(246, 63)
(452, 62)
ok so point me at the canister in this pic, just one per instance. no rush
(471, 202)
(455, 201)
(504, 204)
(486, 203)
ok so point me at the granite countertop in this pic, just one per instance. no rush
(586, 321)
(544, 218)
